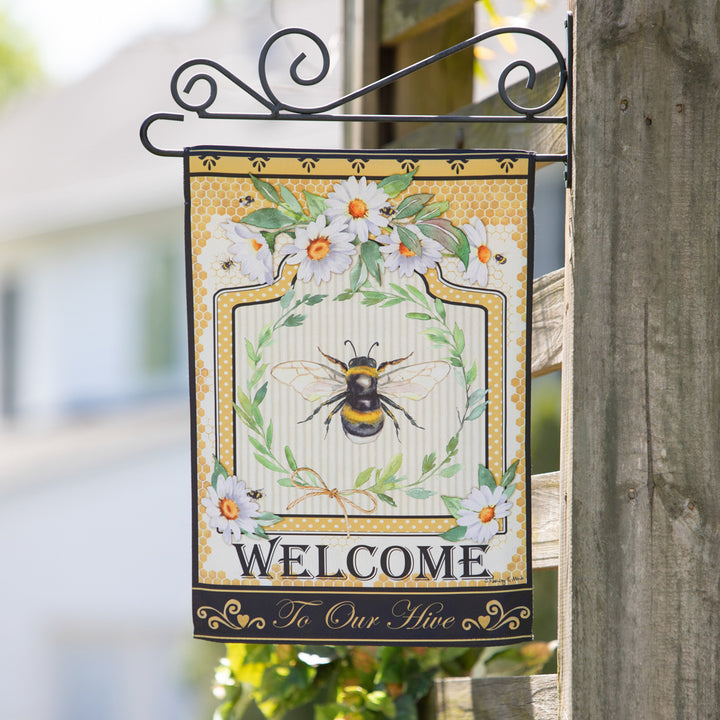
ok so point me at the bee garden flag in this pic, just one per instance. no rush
(359, 335)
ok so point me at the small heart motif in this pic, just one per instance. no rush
(484, 621)
(243, 620)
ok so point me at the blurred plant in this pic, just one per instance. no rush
(19, 64)
(354, 683)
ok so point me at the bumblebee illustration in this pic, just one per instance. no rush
(227, 264)
(500, 259)
(361, 389)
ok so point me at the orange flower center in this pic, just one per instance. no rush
(318, 248)
(406, 251)
(484, 253)
(256, 245)
(486, 514)
(229, 508)
(357, 208)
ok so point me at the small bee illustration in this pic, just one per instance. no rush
(387, 211)
(500, 259)
(255, 494)
(246, 201)
(227, 264)
(361, 389)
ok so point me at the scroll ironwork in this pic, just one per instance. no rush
(205, 71)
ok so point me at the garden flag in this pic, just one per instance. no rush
(359, 350)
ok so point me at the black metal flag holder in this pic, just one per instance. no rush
(278, 110)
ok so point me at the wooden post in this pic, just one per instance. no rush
(640, 573)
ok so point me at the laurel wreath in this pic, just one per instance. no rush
(380, 482)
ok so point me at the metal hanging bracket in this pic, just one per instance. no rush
(278, 110)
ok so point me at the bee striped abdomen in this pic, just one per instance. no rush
(362, 417)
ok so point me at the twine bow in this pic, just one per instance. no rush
(312, 491)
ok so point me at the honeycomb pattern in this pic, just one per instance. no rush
(499, 202)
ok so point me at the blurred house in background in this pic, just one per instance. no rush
(94, 430)
(94, 418)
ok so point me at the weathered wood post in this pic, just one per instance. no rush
(640, 572)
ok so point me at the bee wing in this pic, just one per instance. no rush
(413, 382)
(312, 380)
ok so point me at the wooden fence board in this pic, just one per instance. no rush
(547, 323)
(545, 504)
(513, 698)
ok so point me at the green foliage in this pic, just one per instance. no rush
(354, 683)
(19, 64)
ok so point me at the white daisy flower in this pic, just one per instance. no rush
(251, 251)
(405, 261)
(321, 249)
(480, 512)
(480, 253)
(358, 203)
(230, 510)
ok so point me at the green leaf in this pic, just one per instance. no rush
(472, 374)
(452, 238)
(440, 309)
(287, 298)
(394, 184)
(363, 477)
(450, 470)
(419, 296)
(509, 474)
(269, 464)
(268, 218)
(265, 189)
(485, 478)
(476, 397)
(267, 518)
(400, 290)
(436, 336)
(418, 316)
(316, 204)
(411, 205)
(452, 444)
(452, 504)
(456, 362)
(372, 258)
(251, 352)
(294, 320)
(265, 336)
(244, 402)
(259, 532)
(476, 412)
(269, 239)
(391, 468)
(344, 295)
(419, 493)
(255, 377)
(285, 482)
(393, 301)
(290, 458)
(454, 534)
(217, 471)
(245, 417)
(410, 240)
(428, 462)
(315, 299)
(260, 394)
(269, 434)
(258, 445)
(509, 490)
(432, 210)
(386, 499)
(459, 338)
(290, 200)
